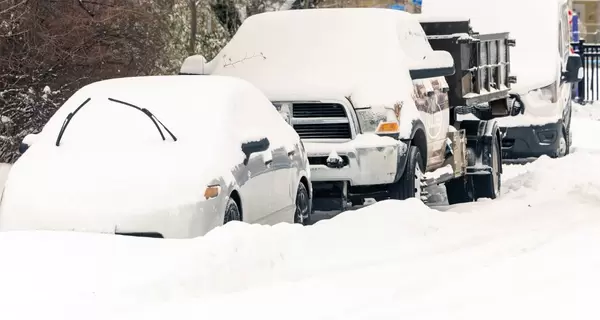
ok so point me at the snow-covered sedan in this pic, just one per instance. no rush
(161, 156)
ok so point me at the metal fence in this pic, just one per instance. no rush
(588, 89)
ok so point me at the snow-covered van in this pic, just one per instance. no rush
(368, 96)
(541, 61)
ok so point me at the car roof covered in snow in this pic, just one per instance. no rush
(287, 53)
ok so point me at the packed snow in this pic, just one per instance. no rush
(531, 254)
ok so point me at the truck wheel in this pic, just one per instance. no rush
(409, 185)
(488, 186)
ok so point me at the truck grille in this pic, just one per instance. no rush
(323, 131)
(318, 110)
(318, 120)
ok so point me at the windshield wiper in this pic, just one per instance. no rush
(144, 110)
(150, 115)
(68, 120)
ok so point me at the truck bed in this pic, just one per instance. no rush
(482, 63)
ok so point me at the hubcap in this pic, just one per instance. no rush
(301, 207)
(418, 179)
(562, 147)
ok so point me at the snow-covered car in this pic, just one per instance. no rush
(160, 156)
(541, 61)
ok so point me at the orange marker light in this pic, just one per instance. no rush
(211, 192)
(388, 127)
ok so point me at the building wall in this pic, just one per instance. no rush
(589, 15)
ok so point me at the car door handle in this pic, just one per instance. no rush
(291, 153)
(268, 162)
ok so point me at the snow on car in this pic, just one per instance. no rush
(164, 156)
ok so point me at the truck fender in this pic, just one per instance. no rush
(480, 134)
(418, 138)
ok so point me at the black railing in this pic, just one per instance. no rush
(588, 89)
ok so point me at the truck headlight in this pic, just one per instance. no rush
(379, 120)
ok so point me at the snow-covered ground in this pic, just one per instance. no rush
(533, 254)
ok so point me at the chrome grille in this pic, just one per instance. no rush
(323, 131)
(318, 120)
(318, 110)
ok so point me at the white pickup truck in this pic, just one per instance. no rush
(373, 102)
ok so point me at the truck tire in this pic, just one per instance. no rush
(488, 186)
(409, 185)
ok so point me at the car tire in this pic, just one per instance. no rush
(302, 212)
(563, 145)
(232, 212)
(409, 185)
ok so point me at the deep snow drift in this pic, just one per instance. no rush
(531, 255)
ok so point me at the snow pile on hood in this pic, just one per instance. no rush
(533, 23)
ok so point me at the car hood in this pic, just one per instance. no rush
(49, 183)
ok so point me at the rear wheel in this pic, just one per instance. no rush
(232, 212)
(409, 185)
(303, 207)
(470, 188)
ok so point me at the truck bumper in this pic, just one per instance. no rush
(363, 164)
(531, 141)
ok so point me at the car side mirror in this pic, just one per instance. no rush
(251, 147)
(27, 141)
(574, 72)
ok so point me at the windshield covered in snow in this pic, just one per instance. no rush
(182, 105)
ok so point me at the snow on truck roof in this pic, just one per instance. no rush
(326, 48)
